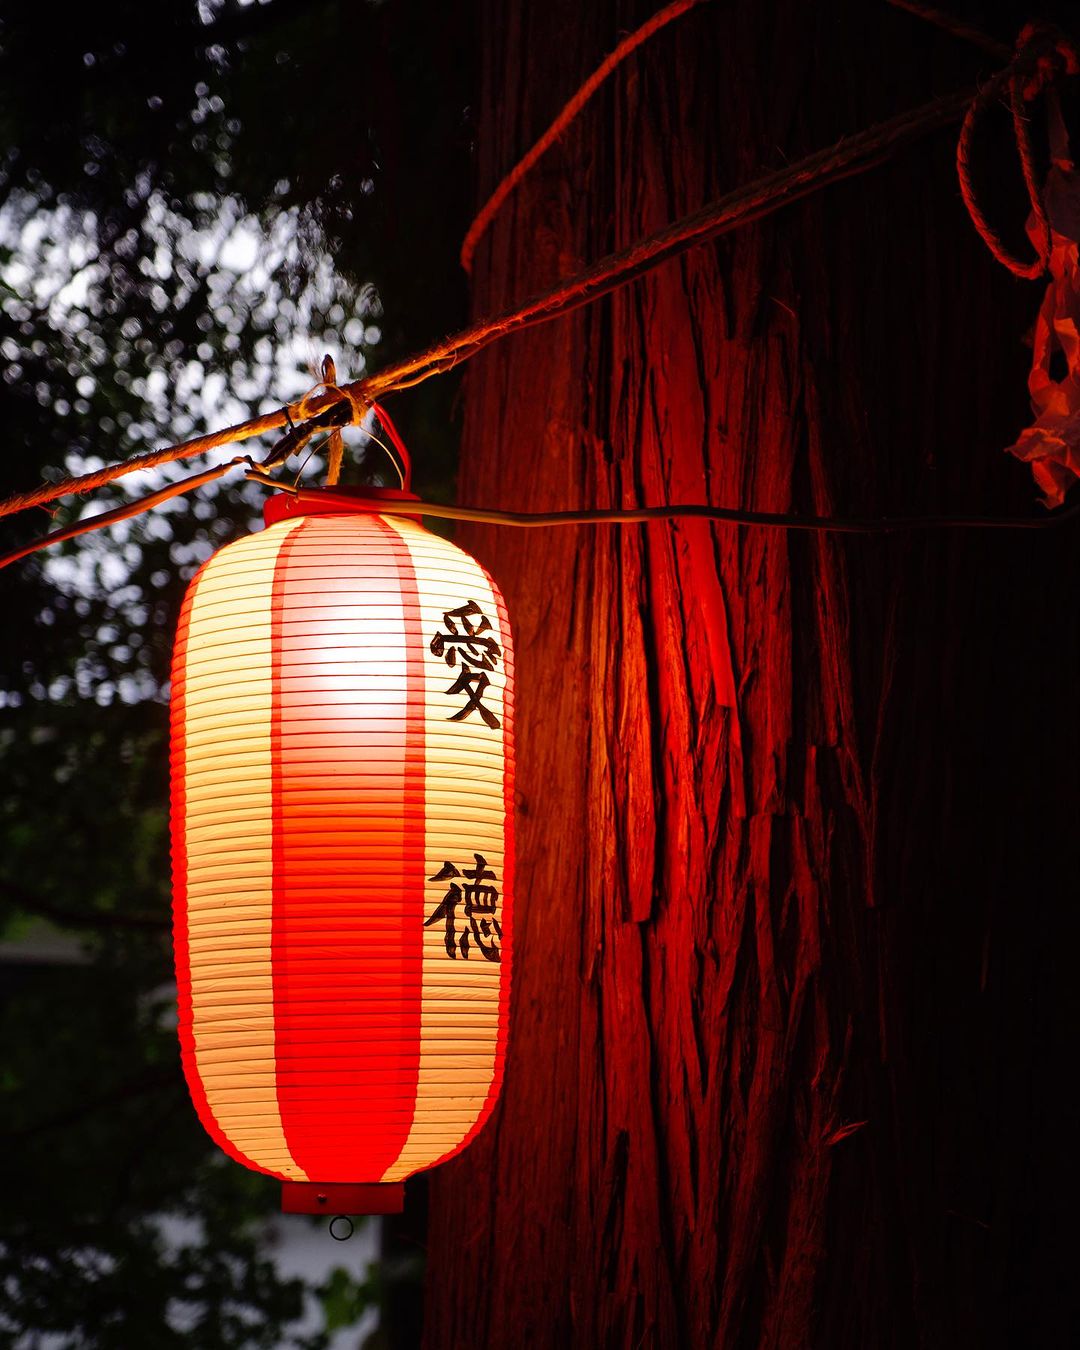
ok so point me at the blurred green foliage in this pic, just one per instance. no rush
(196, 200)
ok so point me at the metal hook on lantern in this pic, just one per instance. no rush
(342, 1237)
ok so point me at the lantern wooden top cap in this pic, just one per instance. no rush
(334, 500)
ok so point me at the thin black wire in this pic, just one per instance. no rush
(369, 435)
(769, 519)
(779, 520)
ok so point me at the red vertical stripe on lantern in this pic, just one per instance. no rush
(414, 804)
(181, 947)
(348, 760)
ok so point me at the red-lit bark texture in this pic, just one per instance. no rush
(794, 811)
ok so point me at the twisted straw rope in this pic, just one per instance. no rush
(1041, 53)
(749, 203)
(571, 109)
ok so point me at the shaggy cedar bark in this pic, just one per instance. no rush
(773, 1080)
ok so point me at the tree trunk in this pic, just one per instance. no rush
(795, 811)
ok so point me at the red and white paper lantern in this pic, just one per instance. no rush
(342, 770)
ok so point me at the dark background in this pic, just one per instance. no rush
(126, 127)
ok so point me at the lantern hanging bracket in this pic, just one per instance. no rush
(342, 1197)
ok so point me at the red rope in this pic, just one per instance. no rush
(1042, 54)
(629, 44)
(394, 436)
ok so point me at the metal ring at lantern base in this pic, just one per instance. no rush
(342, 1237)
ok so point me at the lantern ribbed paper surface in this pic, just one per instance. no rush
(342, 778)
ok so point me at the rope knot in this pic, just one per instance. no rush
(328, 387)
(1043, 53)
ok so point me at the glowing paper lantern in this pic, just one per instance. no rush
(342, 762)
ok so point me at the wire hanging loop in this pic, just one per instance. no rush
(1042, 54)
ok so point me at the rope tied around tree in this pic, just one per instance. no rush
(566, 116)
(1043, 53)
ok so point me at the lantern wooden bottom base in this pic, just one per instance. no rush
(342, 1197)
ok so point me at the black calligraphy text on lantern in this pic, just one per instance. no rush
(478, 901)
(467, 644)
